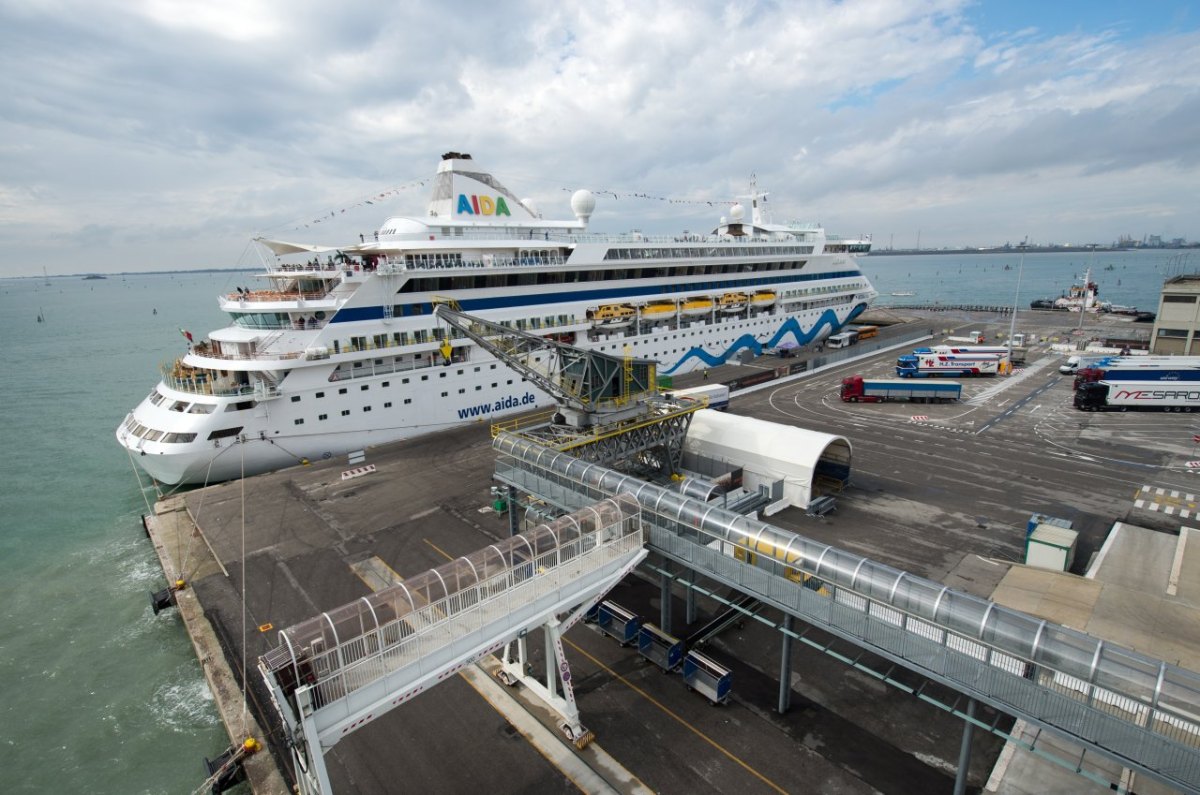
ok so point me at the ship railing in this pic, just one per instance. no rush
(214, 358)
(202, 385)
(275, 296)
(486, 261)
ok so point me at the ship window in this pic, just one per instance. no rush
(342, 391)
(154, 436)
(225, 433)
(244, 405)
(462, 391)
(1179, 299)
(424, 378)
(178, 406)
(320, 394)
(295, 398)
(364, 387)
(322, 416)
(493, 367)
(407, 401)
(509, 382)
(404, 381)
(386, 383)
(345, 412)
(478, 388)
(366, 408)
(445, 394)
(298, 422)
(201, 408)
(387, 405)
(440, 375)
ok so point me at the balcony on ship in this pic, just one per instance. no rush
(218, 383)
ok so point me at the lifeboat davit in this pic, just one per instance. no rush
(659, 311)
(734, 302)
(613, 316)
(696, 307)
(763, 299)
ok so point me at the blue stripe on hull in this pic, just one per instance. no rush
(748, 342)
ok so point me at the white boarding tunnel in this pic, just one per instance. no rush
(793, 465)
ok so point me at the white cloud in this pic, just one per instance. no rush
(192, 126)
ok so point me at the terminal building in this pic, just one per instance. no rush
(1177, 327)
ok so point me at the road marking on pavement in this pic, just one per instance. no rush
(1167, 501)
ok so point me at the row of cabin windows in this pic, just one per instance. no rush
(539, 277)
(388, 405)
(711, 251)
(365, 387)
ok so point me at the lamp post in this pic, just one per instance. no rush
(1012, 326)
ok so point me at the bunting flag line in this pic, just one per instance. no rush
(420, 183)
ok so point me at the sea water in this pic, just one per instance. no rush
(1127, 278)
(99, 694)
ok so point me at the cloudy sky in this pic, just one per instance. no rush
(155, 135)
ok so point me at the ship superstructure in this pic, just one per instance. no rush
(338, 349)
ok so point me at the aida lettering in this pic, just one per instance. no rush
(482, 205)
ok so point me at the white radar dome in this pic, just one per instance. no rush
(532, 207)
(583, 204)
(736, 213)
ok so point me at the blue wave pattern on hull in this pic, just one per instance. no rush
(790, 326)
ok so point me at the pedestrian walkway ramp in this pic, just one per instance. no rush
(337, 672)
(1141, 712)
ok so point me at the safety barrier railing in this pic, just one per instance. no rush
(1127, 705)
(347, 649)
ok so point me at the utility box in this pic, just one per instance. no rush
(1041, 518)
(1051, 547)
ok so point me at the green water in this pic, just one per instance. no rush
(100, 695)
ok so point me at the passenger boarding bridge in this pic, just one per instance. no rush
(335, 673)
(1125, 706)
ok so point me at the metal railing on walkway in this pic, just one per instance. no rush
(1142, 712)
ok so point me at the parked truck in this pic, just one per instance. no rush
(970, 338)
(716, 394)
(948, 364)
(1138, 395)
(857, 389)
(1143, 369)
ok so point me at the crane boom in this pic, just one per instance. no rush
(590, 387)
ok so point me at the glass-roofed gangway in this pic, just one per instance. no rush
(337, 672)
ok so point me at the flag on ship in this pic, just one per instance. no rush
(186, 334)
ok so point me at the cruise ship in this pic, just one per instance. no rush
(336, 349)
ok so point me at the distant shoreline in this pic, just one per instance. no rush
(1028, 250)
(109, 275)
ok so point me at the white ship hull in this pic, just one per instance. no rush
(339, 357)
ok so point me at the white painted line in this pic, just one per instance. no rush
(1160, 491)
(1139, 503)
(1145, 488)
(1170, 509)
(1177, 563)
(1174, 494)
